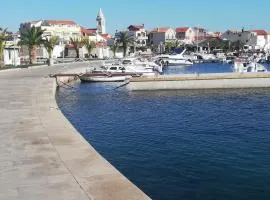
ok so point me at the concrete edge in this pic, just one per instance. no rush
(100, 179)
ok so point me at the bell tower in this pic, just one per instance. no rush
(101, 23)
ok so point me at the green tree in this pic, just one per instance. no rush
(77, 44)
(32, 38)
(50, 43)
(2, 46)
(124, 41)
(90, 45)
(114, 48)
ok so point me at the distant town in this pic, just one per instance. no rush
(68, 43)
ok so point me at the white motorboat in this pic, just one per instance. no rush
(174, 59)
(143, 63)
(129, 69)
(240, 66)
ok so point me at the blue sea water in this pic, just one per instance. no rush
(195, 144)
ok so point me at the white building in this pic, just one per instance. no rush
(159, 36)
(258, 40)
(139, 35)
(189, 35)
(12, 53)
(63, 29)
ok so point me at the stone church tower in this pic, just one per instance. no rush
(101, 23)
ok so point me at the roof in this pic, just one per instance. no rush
(89, 31)
(259, 32)
(160, 30)
(136, 27)
(181, 29)
(58, 22)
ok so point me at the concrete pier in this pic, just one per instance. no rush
(201, 81)
(42, 156)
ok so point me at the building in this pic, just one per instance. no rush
(159, 36)
(12, 51)
(101, 22)
(237, 35)
(258, 39)
(139, 35)
(189, 35)
(63, 29)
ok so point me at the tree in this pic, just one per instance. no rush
(49, 44)
(31, 37)
(77, 44)
(2, 46)
(124, 41)
(114, 48)
(90, 45)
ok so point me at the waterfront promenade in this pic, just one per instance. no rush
(42, 156)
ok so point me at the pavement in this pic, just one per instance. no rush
(42, 156)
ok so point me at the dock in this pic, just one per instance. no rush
(201, 81)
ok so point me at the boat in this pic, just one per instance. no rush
(102, 77)
(173, 59)
(128, 69)
(140, 62)
(244, 66)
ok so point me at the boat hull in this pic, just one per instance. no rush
(103, 78)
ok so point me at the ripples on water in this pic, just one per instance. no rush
(200, 144)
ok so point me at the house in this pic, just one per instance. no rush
(101, 50)
(189, 35)
(237, 35)
(258, 39)
(139, 35)
(12, 51)
(159, 36)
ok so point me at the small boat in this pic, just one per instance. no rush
(244, 66)
(173, 59)
(101, 77)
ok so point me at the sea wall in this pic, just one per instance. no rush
(42, 156)
(201, 81)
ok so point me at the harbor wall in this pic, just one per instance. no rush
(201, 81)
(42, 156)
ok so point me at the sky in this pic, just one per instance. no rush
(215, 15)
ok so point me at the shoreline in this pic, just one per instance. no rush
(53, 159)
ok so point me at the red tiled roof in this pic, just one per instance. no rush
(160, 30)
(57, 22)
(259, 32)
(181, 29)
(89, 31)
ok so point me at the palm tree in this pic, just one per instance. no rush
(49, 44)
(124, 40)
(77, 44)
(114, 48)
(90, 45)
(31, 37)
(2, 46)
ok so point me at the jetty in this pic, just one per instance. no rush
(201, 81)
(42, 156)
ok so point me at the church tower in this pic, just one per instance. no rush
(101, 23)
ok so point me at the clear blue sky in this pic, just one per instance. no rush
(215, 15)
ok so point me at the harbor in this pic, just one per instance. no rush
(134, 100)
